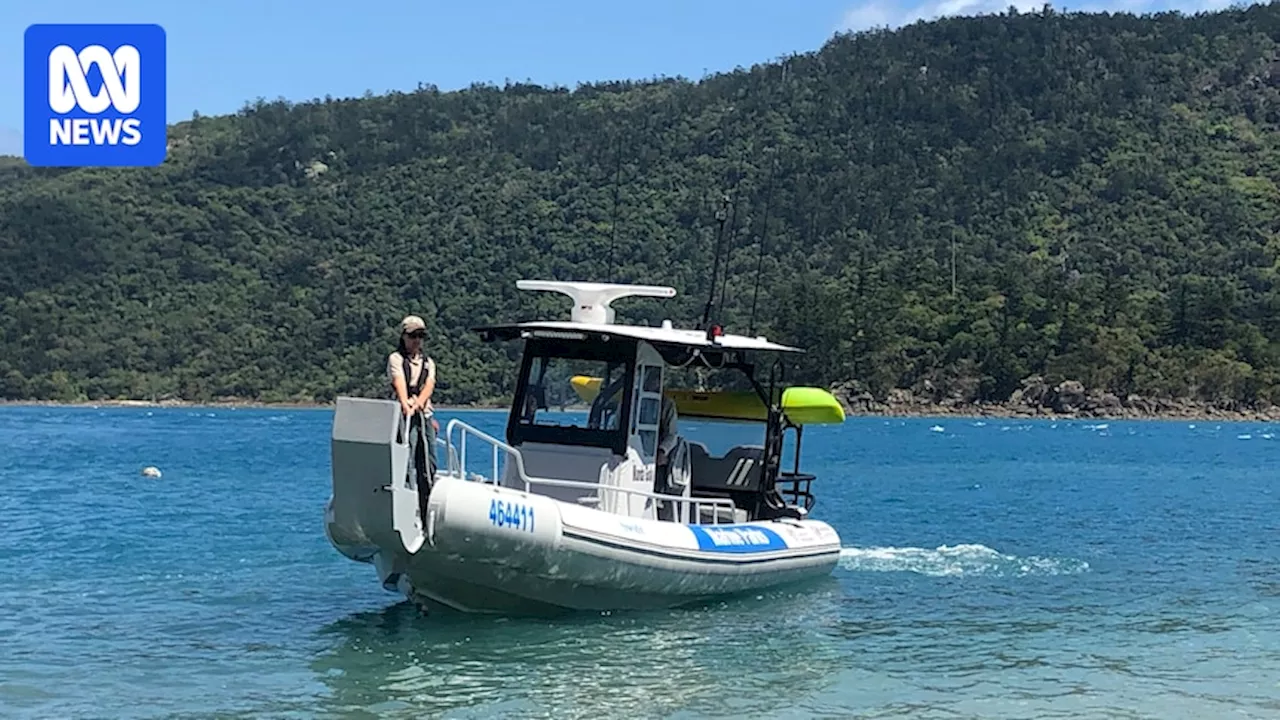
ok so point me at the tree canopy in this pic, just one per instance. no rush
(955, 205)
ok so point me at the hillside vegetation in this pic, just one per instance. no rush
(951, 208)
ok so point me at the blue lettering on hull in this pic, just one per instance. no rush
(737, 538)
(510, 515)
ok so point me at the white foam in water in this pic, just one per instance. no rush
(955, 560)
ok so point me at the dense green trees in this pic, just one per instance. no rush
(955, 205)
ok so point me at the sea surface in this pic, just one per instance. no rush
(992, 569)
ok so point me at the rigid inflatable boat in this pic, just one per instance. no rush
(571, 509)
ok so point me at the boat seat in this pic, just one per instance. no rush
(738, 470)
(561, 462)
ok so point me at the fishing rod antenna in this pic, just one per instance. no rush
(722, 214)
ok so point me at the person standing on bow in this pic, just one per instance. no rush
(413, 380)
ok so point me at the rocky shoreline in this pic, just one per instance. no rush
(1035, 399)
(210, 404)
(1038, 399)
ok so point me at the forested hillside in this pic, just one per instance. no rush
(951, 207)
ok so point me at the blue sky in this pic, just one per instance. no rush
(222, 53)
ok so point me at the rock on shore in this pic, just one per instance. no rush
(1037, 398)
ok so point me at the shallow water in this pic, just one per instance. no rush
(992, 569)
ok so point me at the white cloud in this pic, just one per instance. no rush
(887, 13)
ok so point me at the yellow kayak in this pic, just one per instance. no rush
(802, 405)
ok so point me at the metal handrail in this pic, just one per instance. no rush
(451, 456)
(458, 463)
(681, 501)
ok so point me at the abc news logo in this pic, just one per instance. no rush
(69, 89)
(94, 95)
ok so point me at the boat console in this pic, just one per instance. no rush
(595, 389)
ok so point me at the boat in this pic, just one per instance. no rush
(569, 511)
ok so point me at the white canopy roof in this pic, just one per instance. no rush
(665, 334)
(592, 315)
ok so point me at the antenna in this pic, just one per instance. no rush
(721, 215)
(591, 300)
(764, 236)
(733, 234)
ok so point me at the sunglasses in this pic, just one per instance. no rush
(418, 335)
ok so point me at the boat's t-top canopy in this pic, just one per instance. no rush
(592, 318)
(620, 372)
(592, 324)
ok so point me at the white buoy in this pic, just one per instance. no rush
(151, 471)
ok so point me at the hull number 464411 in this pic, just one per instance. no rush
(512, 515)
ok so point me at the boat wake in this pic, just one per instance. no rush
(955, 560)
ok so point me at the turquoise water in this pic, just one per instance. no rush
(993, 569)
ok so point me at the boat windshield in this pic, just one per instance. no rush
(548, 408)
(550, 399)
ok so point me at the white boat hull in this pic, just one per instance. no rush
(490, 549)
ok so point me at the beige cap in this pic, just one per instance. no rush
(411, 323)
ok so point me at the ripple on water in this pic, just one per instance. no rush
(957, 560)
(1007, 570)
